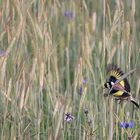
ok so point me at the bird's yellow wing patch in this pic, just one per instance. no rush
(117, 75)
(118, 93)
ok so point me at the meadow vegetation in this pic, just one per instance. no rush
(53, 59)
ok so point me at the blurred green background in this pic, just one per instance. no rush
(53, 59)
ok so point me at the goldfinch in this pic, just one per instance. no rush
(118, 85)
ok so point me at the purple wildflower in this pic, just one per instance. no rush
(131, 124)
(68, 117)
(80, 90)
(123, 125)
(2, 53)
(69, 14)
(84, 81)
(126, 124)
(82, 87)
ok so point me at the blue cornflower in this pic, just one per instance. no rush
(131, 124)
(126, 124)
(69, 14)
(68, 117)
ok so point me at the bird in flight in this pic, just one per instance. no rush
(118, 85)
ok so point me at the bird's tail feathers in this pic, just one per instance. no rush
(134, 102)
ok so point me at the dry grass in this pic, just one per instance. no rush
(50, 47)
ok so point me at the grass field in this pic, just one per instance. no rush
(53, 59)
